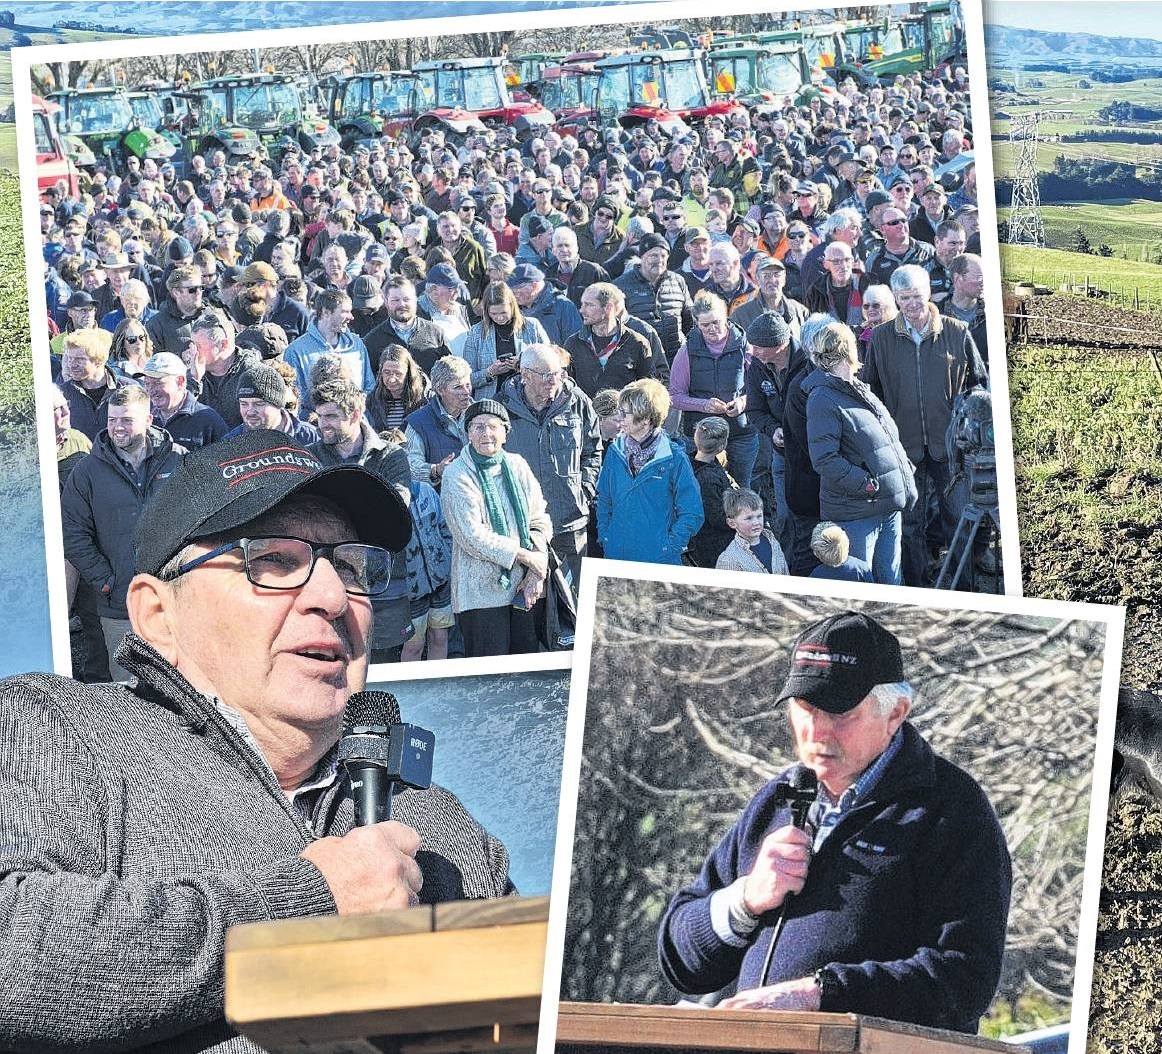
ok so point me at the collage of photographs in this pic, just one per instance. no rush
(561, 525)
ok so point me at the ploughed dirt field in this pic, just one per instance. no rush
(1087, 428)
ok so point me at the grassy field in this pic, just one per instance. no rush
(1130, 226)
(15, 360)
(1051, 267)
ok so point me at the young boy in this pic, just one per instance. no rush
(710, 436)
(832, 548)
(754, 547)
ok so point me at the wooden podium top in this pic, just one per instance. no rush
(594, 1028)
(459, 976)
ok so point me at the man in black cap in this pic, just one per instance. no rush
(153, 815)
(892, 900)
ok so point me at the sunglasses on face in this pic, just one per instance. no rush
(894, 223)
(797, 235)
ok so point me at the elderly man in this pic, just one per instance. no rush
(548, 305)
(190, 424)
(918, 364)
(103, 498)
(554, 428)
(568, 272)
(771, 276)
(843, 225)
(435, 432)
(206, 793)
(727, 279)
(891, 900)
(836, 291)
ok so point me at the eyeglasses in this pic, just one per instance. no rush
(187, 289)
(673, 216)
(467, 208)
(604, 215)
(288, 563)
(797, 235)
(546, 378)
(135, 340)
(893, 223)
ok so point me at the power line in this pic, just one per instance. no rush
(1025, 224)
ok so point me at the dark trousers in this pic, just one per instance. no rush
(929, 524)
(570, 546)
(499, 631)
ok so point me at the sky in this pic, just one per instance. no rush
(1082, 16)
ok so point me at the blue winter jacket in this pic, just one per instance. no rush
(650, 517)
(851, 437)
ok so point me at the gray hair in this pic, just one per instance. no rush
(911, 276)
(639, 226)
(449, 368)
(811, 328)
(840, 220)
(887, 695)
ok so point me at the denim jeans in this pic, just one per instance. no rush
(782, 524)
(801, 559)
(741, 454)
(876, 540)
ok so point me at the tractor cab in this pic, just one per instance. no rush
(478, 87)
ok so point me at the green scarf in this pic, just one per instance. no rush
(492, 503)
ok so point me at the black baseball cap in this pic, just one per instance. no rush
(837, 662)
(220, 487)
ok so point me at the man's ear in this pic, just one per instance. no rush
(151, 613)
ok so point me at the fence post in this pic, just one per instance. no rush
(1137, 300)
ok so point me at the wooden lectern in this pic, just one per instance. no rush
(600, 1028)
(464, 976)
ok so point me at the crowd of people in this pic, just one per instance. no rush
(738, 346)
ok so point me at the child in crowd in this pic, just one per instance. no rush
(832, 548)
(710, 436)
(754, 547)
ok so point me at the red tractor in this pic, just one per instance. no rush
(667, 85)
(476, 88)
(570, 89)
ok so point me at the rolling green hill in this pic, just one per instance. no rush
(1051, 267)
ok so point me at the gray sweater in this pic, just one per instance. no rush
(136, 825)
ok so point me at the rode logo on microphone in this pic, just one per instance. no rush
(419, 744)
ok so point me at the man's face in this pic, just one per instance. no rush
(401, 304)
(654, 263)
(771, 281)
(77, 366)
(335, 426)
(187, 296)
(543, 381)
(258, 413)
(128, 425)
(971, 283)
(723, 266)
(564, 248)
(950, 246)
(895, 229)
(913, 305)
(399, 211)
(456, 395)
(774, 223)
(837, 259)
(83, 317)
(699, 252)
(61, 418)
(338, 320)
(593, 311)
(839, 747)
(449, 230)
(527, 292)
(165, 393)
(334, 260)
(306, 648)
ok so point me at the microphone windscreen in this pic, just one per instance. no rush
(371, 710)
(804, 779)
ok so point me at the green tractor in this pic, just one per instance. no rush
(268, 105)
(756, 74)
(364, 106)
(103, 122)
(924, 41)
(148, 110)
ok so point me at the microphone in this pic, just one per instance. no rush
(380, 751)
(800, 792)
